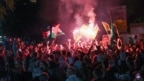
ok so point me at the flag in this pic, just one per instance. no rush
(45, 34)
(106, 26)
(112, 33)
(56, 31)
(60, 32)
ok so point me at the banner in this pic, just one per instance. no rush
(56, 31)
(106, 26)
(119, 18)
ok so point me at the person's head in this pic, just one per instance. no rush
(70, 71)
(138, 77)
(18, 39)
(135, 36)
(26, 51)
(10, 39)
(43, 65)
(97, 72)
(9, 52)
(36, 49)
(2, 52)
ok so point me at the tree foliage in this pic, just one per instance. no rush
(6, 5)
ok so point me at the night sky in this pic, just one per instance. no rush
(29, 18)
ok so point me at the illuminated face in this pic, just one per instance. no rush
(18, 39)
(26, 52)
(36, 49)
(10, 39)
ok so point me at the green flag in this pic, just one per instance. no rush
(53, 35)
(112, 33)
(56, 31)
(59, 32)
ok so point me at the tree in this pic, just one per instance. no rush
(6, 5)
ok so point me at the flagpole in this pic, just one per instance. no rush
(89, 51)
(112, 30)
(107, 32)
(115, 24)
(117, 31)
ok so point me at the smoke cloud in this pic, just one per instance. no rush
(77, 12)
(74, 13)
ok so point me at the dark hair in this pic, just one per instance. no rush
(72, 70)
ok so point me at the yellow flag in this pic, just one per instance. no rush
(106, 26)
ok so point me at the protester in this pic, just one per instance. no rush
(71, 75)
(22, 60)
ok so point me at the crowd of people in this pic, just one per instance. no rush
(22, 60)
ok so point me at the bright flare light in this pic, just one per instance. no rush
(87, 31)
(76, 35)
